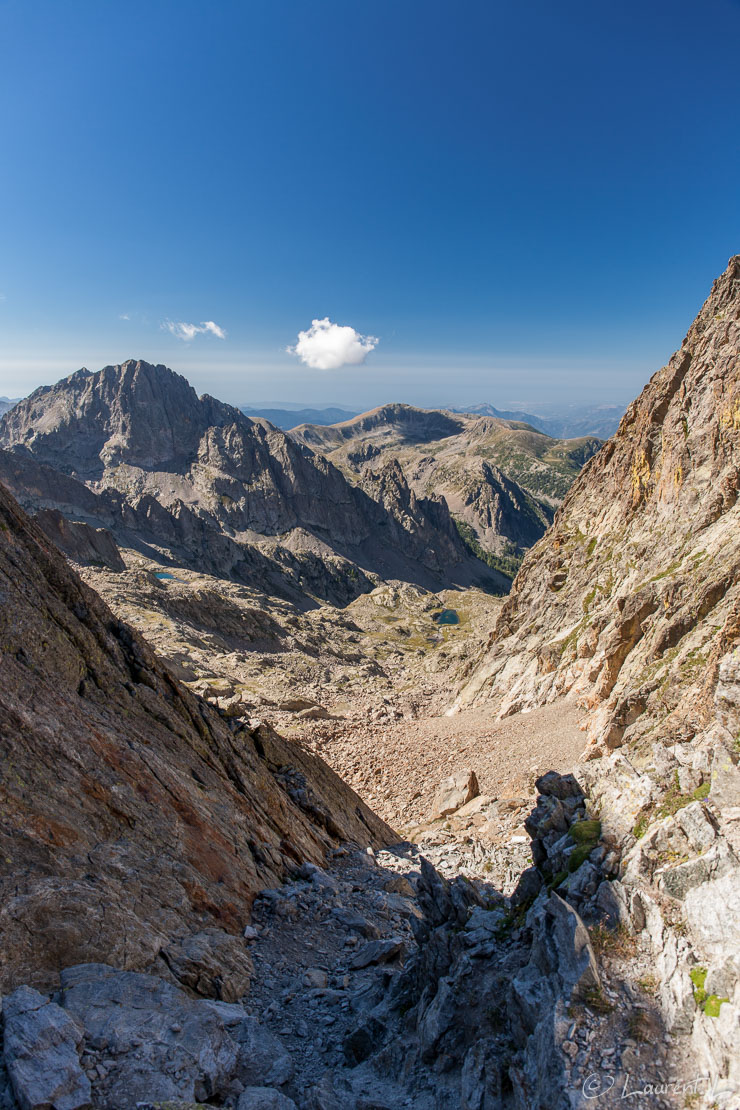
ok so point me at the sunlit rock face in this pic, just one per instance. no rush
(631, 599)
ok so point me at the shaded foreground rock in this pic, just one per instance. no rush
(157, 1042)
(264, 1098)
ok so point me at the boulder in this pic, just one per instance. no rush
(454, 792)
(399, 884)
(296, 705)
(713, 915)
(314, 713)
(315, 977)
(554, 785)
(160, 1043)
(41, 1046)
(697, 825)
(263, 1058)
(546, 817)
(233, 707)
(581, 884)
(529, 885)
(378, 952)
(323, 1096)
(716, 862)
(212, 963)
(612, 906)
(350, 920)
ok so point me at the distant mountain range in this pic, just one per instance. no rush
(559, 421)
(290, 417)
(7, 403)
(502, 478)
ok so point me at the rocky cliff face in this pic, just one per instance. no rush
(631, 599)
(136, 414)
(140, 432)
(500, 514)
(136, 826)
(165, 536)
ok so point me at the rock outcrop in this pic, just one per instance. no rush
(136, 825)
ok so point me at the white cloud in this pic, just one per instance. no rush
(327, 346)
(124, 316)
(187, 332)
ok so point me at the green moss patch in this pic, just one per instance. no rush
(698, 977)
(586, 832)
(712, 1005)
(586, 835)
(674, 798)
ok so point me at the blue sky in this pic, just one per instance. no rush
(520, 202)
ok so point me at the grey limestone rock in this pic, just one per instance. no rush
(561, 967)
(719, 860)
(480, 1080)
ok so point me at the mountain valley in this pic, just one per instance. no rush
(301, 808)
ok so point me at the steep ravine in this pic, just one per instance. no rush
(214, 918)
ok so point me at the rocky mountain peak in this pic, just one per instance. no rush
(134, 412)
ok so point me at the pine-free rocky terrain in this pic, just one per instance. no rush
(285, 824)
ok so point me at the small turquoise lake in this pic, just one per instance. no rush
(447, 616)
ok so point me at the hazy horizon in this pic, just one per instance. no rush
(355, 401)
